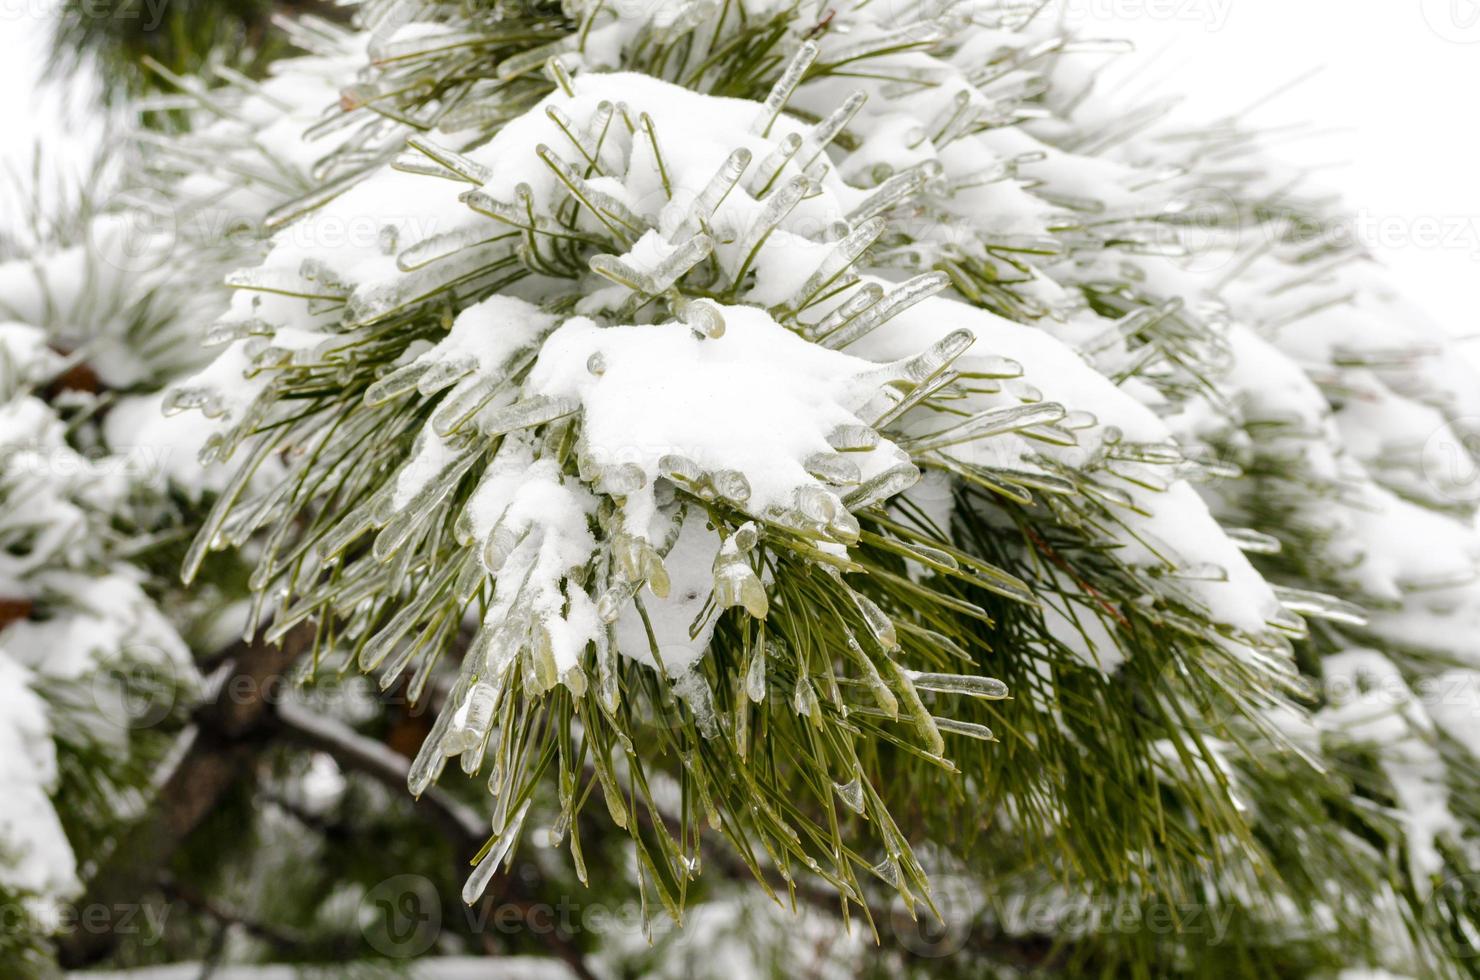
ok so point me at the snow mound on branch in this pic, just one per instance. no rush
(759, 400)
(35, 856)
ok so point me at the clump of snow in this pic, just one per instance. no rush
(1371, 703)
(757, 401)
(35, 856)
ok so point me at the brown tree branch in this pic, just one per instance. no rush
(221, 745)
(353, 752)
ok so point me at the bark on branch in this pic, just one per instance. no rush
(227, 732)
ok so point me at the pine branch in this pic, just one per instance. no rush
(228, 733)
(356, 753)
(283, 940)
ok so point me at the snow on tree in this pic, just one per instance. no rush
(896, 479)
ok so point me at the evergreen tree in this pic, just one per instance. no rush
(829, 479)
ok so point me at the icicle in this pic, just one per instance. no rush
(609, 606)
(878, 623)
(804, 700)
(469, 581)
(694, 690)
(731, 485)
(607, 690)
(755, 674)
(955, 117)
(968, 728)
(574, 679)
(528, 413)
(815, 503)
(414, 512)
(467, 168)
(606, 208)
(851, 793)
(621, 480)
(984, 425)
(714, 192)
(895, 480)
(1152, 453)
(1253, 542)
(760, 179)
(937, 357)
(465, 402)
(541, 662)
(883, 697)
(399, 382)
(832, 468)
(782, 91)
(499, 545)
(894, 191)
(688, 254)
(866, 296)
(735, 582)
(896, 301)
(1318, 605)
(969, 684)
(473, 721)
(444, 374)
(746, 536)
(924, 721)
(588, 143)
(844, 528)
(853, 439)
(888, 872)
(703, 317)
(438, 247)
(478, 881)
(778, 205)
(838, 261)
(826, 131)
(430, 758)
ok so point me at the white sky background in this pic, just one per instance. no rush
(1398, 91)
(1400, 86)
(60, 121)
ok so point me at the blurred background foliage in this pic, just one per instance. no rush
(187, 37)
